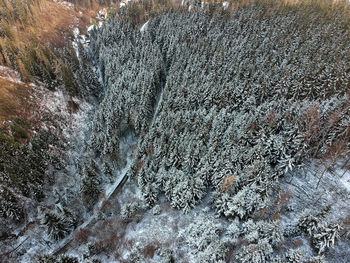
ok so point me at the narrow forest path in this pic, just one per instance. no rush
(110, 190)
(113, 189)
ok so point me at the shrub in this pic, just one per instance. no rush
(255, 253)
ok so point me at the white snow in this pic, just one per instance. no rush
(124, 3)
(314, 188)
(10, 74)
(345, 180)
(90, 28)
(72, 126)
(109, 190)
(225, 5)
(76, 32)
(65, 4)
(144, 26)
(79, 38)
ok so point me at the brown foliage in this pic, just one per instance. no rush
(227, 182)
(284, 198)
(229, 255)
(335, 150)
(138, 166)
(82, 235)
(333, 118)
(276, 217)
(72, 106)
(149, 250)
(150, 149)
(270, 118)
(298, 243)
(133, 147)
(109, 242)
(110, 235)
(253, 125)
(273, 211)
(311, 122)
(105, 204)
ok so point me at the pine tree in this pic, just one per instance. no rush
(55, 225)
(90, 184)
(325, 236)
(9, 205)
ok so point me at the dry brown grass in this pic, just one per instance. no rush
(49, 23)
(52, 22)
(14, 100)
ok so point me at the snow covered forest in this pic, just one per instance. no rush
(216, 135)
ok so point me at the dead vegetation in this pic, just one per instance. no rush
(30, 34)
(14, 100)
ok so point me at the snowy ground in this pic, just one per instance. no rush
(313, 189)
(144, 238)
(67, 118)
(152, 235)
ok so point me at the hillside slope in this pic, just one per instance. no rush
(242, 122)
(228, 128)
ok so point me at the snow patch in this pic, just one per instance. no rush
(225, 5)
(144, 26)
(345, 180)
(124, 3)
(76, 32)
(90, 28)
(10, 74)
(314, 188)
(65, 4)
